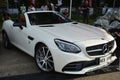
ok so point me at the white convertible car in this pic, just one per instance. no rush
(59, 44)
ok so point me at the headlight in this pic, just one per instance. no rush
(67, 46)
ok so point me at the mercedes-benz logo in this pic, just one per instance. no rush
(105, 48)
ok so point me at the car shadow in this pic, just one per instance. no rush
(60, 76)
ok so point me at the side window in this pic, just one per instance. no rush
(33, 19)
(22, 20)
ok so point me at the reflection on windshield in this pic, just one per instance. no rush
(47, 18)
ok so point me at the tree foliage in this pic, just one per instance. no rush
(96, 3)
(3, 3)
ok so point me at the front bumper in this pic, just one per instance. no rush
(92, 67)
(62, 59)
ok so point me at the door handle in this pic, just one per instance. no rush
(30, 38)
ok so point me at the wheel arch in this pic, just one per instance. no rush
(42, 44)
(38, 44)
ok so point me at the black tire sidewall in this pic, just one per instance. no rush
(39, 46)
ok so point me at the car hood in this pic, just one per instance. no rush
(74, 32)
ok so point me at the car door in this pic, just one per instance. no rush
(21, 36)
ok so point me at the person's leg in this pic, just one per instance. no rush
(118, 47)
(84, 17)
(117, 52)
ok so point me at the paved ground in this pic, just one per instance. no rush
(16, 65)
(15, 62)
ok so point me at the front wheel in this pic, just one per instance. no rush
(44, 58)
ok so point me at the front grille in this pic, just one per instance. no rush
(100, 49)
(77, 66)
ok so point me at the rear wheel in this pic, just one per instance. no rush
(44, 58)
(5, 40)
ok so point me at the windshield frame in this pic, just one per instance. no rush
(52, 16)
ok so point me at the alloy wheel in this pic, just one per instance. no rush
(44, 59)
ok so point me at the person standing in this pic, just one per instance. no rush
(59, 4)
(31, 7)
(22, 9)
(85, 10)
(50, 6)
(25, 2)
(116, 33)
(57, 8)
(6, 16)
(44, 7)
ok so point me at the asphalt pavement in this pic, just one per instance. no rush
(15, 62)
(17, 65)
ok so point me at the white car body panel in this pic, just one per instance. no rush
(80, 34)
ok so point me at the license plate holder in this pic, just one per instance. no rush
(105, 59)
(102, 60)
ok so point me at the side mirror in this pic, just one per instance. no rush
(17, 24)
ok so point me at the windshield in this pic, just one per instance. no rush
(41, 18)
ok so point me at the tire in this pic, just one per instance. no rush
(5, 41)
(44, 59)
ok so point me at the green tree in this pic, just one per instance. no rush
(3, 3)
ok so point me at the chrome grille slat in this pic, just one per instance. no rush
(100, 49)
(95, 50)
